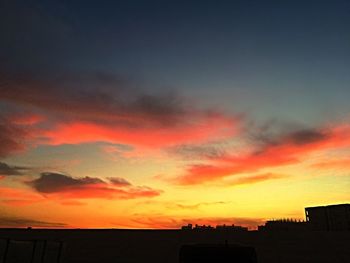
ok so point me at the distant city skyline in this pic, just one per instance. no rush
(153, 114)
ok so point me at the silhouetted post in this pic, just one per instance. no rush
(33, 251)
(59, 251)
(7, 246)
(44, 252)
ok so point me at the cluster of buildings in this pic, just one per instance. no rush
(319, 218)
(218, 227)
(284, 225)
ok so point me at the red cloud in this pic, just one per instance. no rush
(288, 149)
(18, 130)
(26, 119)
(12, 137)
(203, 129)
(96, 108)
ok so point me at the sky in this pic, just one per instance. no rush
(156, 114)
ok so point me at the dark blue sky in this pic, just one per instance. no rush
(284, 59)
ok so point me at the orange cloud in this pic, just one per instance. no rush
(333, 164)
(287, 149)
(19, 197)
(204, 129)
(252, 179)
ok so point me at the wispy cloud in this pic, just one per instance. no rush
(183, 205)
(255, 178)
(341, 163)
(196, 205)
(27, 222)
(200, 151)
(285, 149)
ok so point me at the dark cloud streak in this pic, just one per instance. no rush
(26, 222)
(95, 97)
(55, 182)
(118, 181)
(67, 187)
(307, 136)
(197, 151)
(10, 170)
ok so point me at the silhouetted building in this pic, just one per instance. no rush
(203, 227)
(197, 227)
(218, 227)
(329, 218)
(285, 225)
(188, 227)
(231, 227)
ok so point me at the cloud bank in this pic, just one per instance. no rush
(103, 108)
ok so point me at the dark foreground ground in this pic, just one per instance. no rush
(163, 245)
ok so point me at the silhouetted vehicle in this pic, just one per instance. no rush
(217, 253)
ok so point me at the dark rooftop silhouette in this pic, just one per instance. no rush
(329, 218)
(283, 240)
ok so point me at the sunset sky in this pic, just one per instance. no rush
(155, 114)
